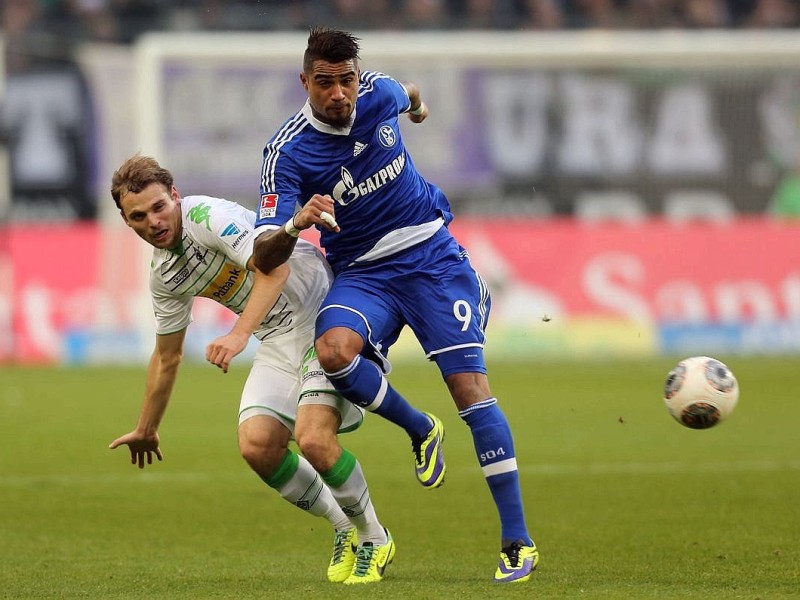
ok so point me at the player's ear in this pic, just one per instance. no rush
(175, 194)
(304, 80)
(124, 218)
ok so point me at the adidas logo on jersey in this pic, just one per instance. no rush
(231, 229)
(358, 148)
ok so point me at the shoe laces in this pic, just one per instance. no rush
(416, 443)
(416, 447)
(364, 557)
(339, 544)
(512, 553)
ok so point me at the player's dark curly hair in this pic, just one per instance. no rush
(136, 174)
(330, 45)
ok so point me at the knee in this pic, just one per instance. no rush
(262, 455)
(468, 389)
(336, 348)
(321, 448)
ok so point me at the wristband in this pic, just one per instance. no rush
(290, 228)
(418, 111)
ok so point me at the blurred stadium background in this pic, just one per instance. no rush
(624, 172)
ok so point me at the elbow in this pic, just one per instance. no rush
(413, 93)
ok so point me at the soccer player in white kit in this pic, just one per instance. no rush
(203, 246)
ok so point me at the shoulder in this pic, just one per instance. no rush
(291, 131)
(286, 146)
(375, 81)
(380, 90)
(205, 217)
(199, 207)
(195, 200)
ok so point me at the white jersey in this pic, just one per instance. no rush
(211, 261)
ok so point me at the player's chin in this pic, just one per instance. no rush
(338, 118)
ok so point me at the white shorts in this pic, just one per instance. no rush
(286, 373)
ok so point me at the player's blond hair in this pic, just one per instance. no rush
(135, 174)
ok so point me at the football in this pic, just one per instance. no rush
(700, 392)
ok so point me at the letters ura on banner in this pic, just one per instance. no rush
(500, 133)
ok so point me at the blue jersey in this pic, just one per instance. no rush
(380, 197)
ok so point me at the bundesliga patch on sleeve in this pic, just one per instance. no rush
(268, 207)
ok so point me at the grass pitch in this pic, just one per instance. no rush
(622, 501)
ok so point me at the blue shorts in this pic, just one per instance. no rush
(430, 287)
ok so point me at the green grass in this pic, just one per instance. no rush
(622, 501)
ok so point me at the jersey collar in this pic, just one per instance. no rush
(324, 127)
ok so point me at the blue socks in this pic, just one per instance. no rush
(495, 449)
(363, 383)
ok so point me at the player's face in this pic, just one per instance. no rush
(154, 214)
(332, 90)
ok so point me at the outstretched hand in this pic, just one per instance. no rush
(142, 447)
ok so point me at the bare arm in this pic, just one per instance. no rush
(274, 248)
(418, 111)
(162, 371)
(271, 249)
(266, 290)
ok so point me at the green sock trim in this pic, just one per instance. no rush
(339, 472)
(284, 472)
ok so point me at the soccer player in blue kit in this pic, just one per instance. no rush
(395, 263)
